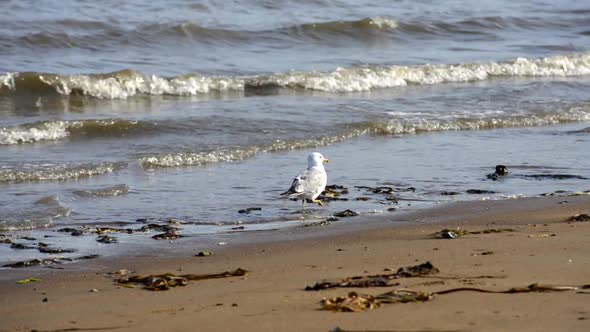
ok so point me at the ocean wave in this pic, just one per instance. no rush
(127, 83)
(54, 130)
(111, 191)
(94, 35)
(384, 127)
(40, 214)
(51, 172)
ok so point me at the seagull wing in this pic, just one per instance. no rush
(299, 183)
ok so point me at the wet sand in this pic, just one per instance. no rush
(543, 248)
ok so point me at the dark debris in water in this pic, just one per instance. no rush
(48, 261)
(334, 193)
(346, 213)
(106, 239)
(555, 177)
(158, 282)
(170, 235)
(378, 280)
(479, 191)
(249, 210)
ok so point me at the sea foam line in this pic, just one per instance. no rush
(128, 83)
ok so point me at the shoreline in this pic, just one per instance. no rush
(283, 262)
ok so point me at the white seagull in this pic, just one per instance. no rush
(310, 183)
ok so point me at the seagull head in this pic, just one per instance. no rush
(315, 159)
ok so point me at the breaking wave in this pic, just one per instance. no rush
(386, 127)
(127, 83)
(57, 130)
(51, 172)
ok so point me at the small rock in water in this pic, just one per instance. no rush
(204, 253)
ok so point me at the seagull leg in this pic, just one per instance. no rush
(303, 204)
(318, 202)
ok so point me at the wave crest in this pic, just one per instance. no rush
(127, 83)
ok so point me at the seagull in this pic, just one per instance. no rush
(310, 183)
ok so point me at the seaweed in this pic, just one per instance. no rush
(106, 239)
(479, 191)
(456, 233)
(34, 262)
(204, 253)
(166, 281)
(579, 218)
(170, 235)
(346, 213)
(354, 302)
(249, 210)
(28, 280)
(378, 280)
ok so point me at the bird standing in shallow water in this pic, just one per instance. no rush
(310, 183)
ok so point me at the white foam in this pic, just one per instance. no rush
(42, 131)
(7, 80)
(33, 173)
(384, 22)
(130, 84)
(353, 79)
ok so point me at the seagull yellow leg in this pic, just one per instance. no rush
(303, 204)
(318, 202)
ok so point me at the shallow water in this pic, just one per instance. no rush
(196, 110)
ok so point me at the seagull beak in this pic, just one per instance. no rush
(326, 161)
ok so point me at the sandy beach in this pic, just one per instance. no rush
(542, 248)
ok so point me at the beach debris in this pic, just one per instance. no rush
(28, 280)
(479, 191)
(378, 280)
(354, 302)
(157, 228)
(170, 235)
(107, 230)
(346, 213)
(584, 217)
(326, 222)
(204, 253)
(20, 246)
(456, 233)
(249, 210)
(106, 239)
(450, 193)
(333, 193)
(166, 281)
(34, 262)
(94, 290)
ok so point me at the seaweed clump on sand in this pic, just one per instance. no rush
(456, 233)
(354, 302)
(579, 218)
(158, 282)
(378, 280)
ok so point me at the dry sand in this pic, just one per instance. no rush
(543, 248)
